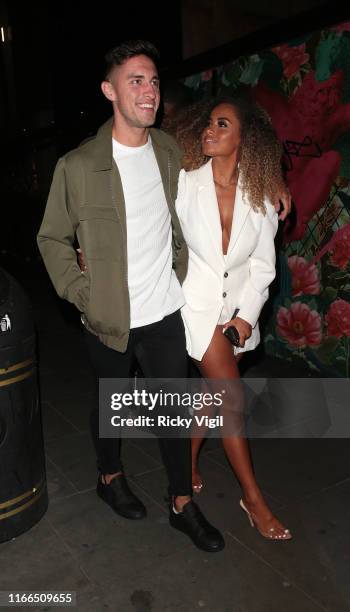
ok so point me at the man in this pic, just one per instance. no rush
(116, 194)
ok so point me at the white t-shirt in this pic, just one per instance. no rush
(154, 289)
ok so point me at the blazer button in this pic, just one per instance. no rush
(226, 274)
(224, 294)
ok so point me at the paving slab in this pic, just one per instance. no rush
(58, 484)
(292, 469)
(145, 566)
(146, 563)
(74, 409)
(54, 425)
(40, 560)
(324, 518)
(74, 455)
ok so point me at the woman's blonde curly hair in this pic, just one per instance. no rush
(260, 151)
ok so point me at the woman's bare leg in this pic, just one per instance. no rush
(219, 363)
(197, 482)
(198, 434)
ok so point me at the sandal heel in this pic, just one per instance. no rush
(270, 534)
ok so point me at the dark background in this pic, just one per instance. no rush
(51, 61)
(57, 51)
(51, 66)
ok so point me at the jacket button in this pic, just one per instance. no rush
(224, 294)
(226, 274)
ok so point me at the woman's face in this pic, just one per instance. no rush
(222, 136)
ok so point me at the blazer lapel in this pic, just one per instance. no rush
(240, 214)
(209, 205)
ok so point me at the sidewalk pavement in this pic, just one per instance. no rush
(144, 566)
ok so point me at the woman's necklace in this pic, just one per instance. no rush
(227, 186)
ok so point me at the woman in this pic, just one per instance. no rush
(229, 225)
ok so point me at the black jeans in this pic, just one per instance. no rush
(160, 351)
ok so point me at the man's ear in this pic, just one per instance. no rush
(108, 91)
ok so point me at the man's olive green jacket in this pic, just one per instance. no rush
(86, 202)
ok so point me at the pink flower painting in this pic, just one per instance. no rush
(338, 319)
(340, 251)
(299, 325)
(305, 278)
(308, 123)
(292, 58)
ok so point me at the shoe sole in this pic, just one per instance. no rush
(200, 546)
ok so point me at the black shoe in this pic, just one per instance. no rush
(192, 522)
(123, 501)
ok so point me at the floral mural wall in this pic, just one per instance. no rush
(305, 87)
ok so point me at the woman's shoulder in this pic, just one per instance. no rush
(197, 175)
(187, 179)
(268, 210)
(268, 217)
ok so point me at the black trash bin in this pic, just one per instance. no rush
(23, 491)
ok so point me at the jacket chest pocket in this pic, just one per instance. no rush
(99, 233)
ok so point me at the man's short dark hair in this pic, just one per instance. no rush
(118, 55)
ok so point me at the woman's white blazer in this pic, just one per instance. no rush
(240, 280)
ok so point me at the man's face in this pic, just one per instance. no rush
(133, 89)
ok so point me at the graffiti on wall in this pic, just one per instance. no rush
(305, 87)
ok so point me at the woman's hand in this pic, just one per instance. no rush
(243, 327)
(81, 261)
(283, 196)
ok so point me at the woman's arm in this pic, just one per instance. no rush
(262, 269)
(181, 192)
(283, 197)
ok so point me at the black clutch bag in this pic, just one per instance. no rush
(231, 332)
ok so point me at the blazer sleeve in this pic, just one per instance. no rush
(55, 240)
(181, 192)
(262, 268)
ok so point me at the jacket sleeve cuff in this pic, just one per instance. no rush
(251, 304)
(78, 293)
